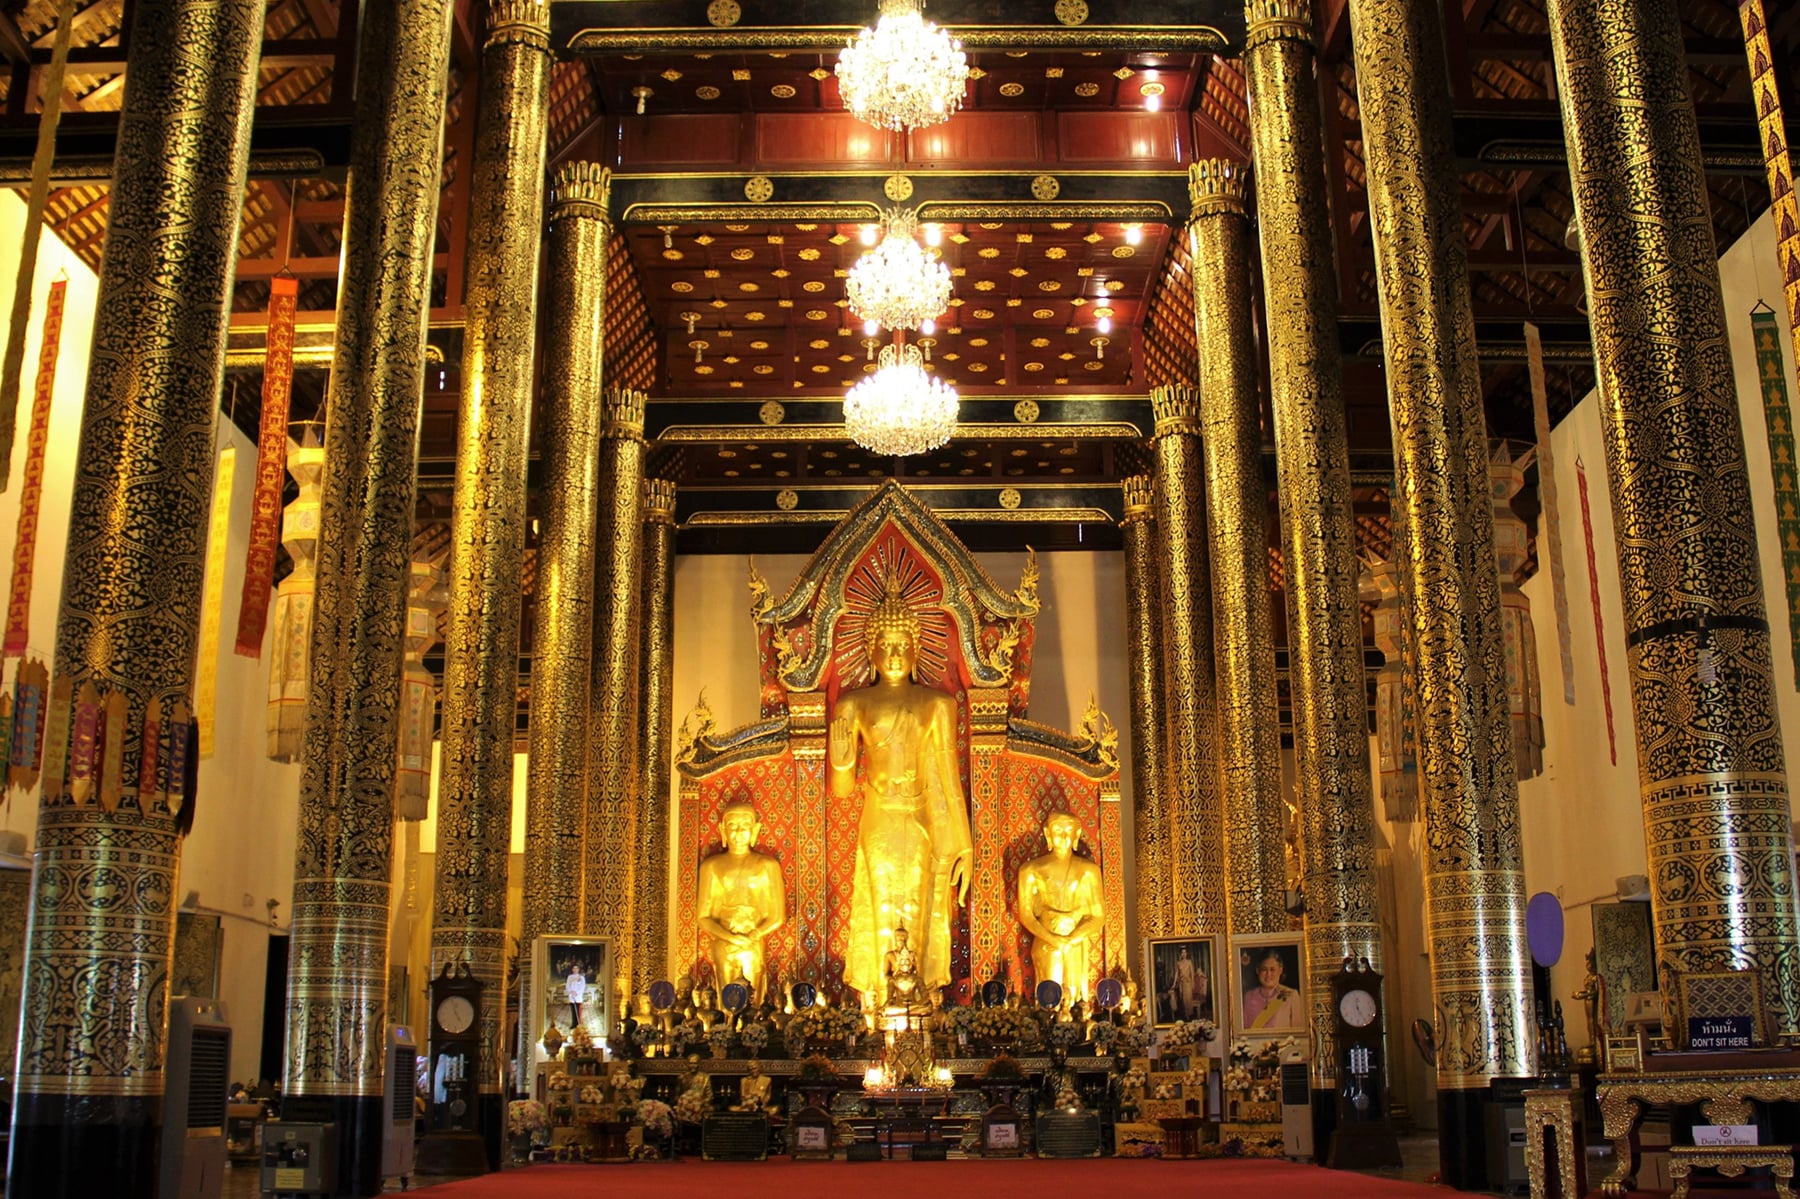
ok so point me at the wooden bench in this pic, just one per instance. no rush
(1731, 1161)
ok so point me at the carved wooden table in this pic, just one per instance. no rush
(1731, 1161)
(1725, 1085)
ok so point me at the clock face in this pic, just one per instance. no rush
(455, 1014)
(1357, 1008)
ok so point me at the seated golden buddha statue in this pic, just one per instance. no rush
(900, 966)
(753, 1091)
(895, 742)
(741, 899)
(1059, 905)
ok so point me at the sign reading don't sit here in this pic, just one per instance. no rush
(1719, 1032)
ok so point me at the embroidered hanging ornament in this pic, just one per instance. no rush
(271, 449)
(31, 496)
(1396, 765)
(1777, 159)
(30, 703)
(418, 693)
(212, 597)
(1550, 519)
(1512, 547)
(37, 199)
(57, 721)
(290, 660)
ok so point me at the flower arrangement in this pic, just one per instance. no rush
(720, 1040)
(692, 1106)
(1187, 1033)
(823, 1023)
(525, 1117)
(1065, 1035)
(645, 1034)
(590, 1095)
(1242, 1050)
(1236, 1078)
(685, 1036)
(755, 1036)
(1003, 1024)
(1131, 1040)
(1103, 1034)
(657, 1117)
(1003, 1066)
(560, 1081)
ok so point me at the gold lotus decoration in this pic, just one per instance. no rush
(905, 73)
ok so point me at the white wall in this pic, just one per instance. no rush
(241, 852)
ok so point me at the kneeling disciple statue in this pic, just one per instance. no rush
(913, 847)
(1059, 905)
(741, 900)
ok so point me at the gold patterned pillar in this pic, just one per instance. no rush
(338, 956)
(1237, 507)
(88, 1099)
(487, 547)
(1196, 836)
(1709, 743)
(656, 718)
(1149, 719)
(563, 613)
(613, 735)
(1444, 540)
(1318, 532)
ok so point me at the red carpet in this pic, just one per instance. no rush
(1023, 1179)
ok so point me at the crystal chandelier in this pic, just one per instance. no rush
(899, 284)
(900, 409)
(906, 73)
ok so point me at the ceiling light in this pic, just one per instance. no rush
(869, 234)
(934, 234)
(906, 73)
(898, 284)
(900, 409)
(1104, 324)
(1134, 234)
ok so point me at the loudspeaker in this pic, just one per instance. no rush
(1633, 888)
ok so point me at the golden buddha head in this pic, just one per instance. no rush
(739, 827)
(1063, 832)
(891, 635)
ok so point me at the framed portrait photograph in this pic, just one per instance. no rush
(1184, 978)
(572, 979)
(1268, 990)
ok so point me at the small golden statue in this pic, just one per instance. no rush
(1059, 905)
(901, 968)
(753, 1091)
(741, 899)
(913, 846)
(704, 1012)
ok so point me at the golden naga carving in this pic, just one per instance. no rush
(1027, 594)
(1099, 731)
(696, 724)
(760, 598)
(896, 740)
(1060, 906)
(741, 900)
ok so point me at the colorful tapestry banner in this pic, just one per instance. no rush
(1587, 528)
(1778, 417)
(1552, 517)
(212, 599)
(271, 477)
(1776, 159)
(31, 497)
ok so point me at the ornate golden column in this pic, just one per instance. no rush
(563, 617)
(1237, 505)
(1318, 533)
(1444, 541)
(487, 548)
(1709, 741)
(88, 1098)
(613, 734)
(1196, 835)
(656, 717)
(1149, 719)
(338, 957)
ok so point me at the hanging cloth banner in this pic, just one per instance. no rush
(1587, 528)
(13, 364)
(1778, 417)
(1776, 159)
(1552, 519)
(31, 695)
(18, 604)
(271, 458)
(212, 598)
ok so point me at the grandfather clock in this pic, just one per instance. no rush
(453, 1143)
(1364, 1138)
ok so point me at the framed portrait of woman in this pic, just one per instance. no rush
(1183, 977)
(1268, 992)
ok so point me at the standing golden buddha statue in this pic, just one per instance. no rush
(913, 847)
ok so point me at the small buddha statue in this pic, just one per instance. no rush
(741, 899)
(901, 967)
(553, 1041)
(703, 1010)
(753, 1090)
